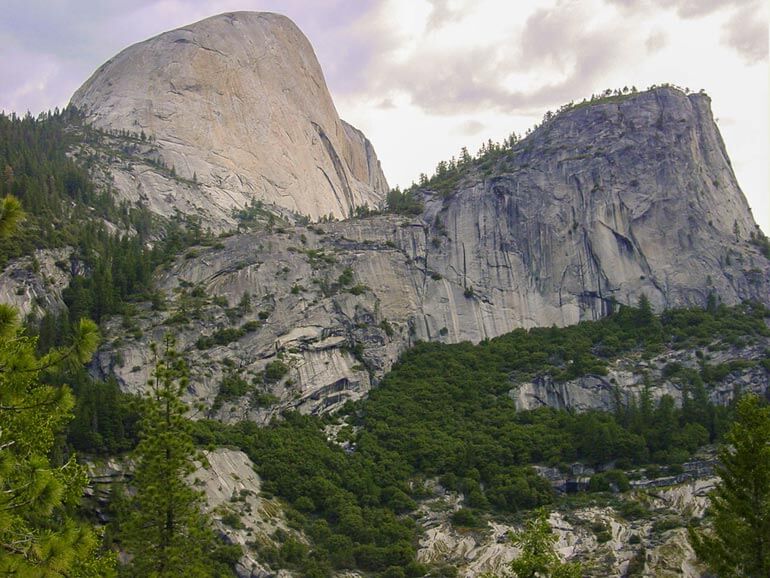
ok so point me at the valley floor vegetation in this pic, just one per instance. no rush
(443, 415)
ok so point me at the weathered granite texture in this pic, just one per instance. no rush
(238, 106)
(654, 551)
(34, 284)
(605, 202)
(627, 379)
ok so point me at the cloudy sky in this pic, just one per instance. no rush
(423, 78)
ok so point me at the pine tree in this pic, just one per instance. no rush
(739, 544)
(538, 558)
(166, 532)
(39, 535)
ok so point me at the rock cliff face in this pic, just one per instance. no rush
(605, 202)
(238, 107)
(34, 284)
(627, 379)
(232, 491)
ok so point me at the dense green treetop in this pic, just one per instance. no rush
(738, 544)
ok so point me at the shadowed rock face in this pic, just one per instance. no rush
(237, 103)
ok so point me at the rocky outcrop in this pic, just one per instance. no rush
(600, 538)
(572, 219)
(628, 378)
(238, 109)
(330, 336)
(232, 497)
(607, 201)
(34, 284)
(231, 494)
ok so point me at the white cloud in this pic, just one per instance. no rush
(746, 32)
(505, 64)
(468, 128)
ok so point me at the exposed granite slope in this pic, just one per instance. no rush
(599, 537)
(627, 379)
(605, 202)
(237, 105)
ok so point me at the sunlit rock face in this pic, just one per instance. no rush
(237, 105)
(604, 203)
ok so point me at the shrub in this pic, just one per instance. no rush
(466, 518)
(232, 520)
(346, 278)
(275, 370)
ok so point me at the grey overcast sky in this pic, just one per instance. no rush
(422, 78)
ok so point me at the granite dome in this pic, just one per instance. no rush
(238, 104)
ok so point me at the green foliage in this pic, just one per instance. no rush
(760, 240)
(40, 535)
(232, 387)
(10, 216)
(346, 503)
(346, 278)
(666, 523)
(317, 257)
(275, 371)
(635, 568)
(465, 518)
(120, 267)
(226, 335)
(232, 520)
(610, 481)
(601, 531)
(62, 207)
(739, 543)
(696, 327)
(57, 194)
(262, 399)
(106, 420)
(164, 530)
(387, 327)
(444, 411)
(255, 216)
(538, 557)
(403, 203)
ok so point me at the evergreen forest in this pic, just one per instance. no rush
(443, 419)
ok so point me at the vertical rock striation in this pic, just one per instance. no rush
(237, 104)
(607, 201)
